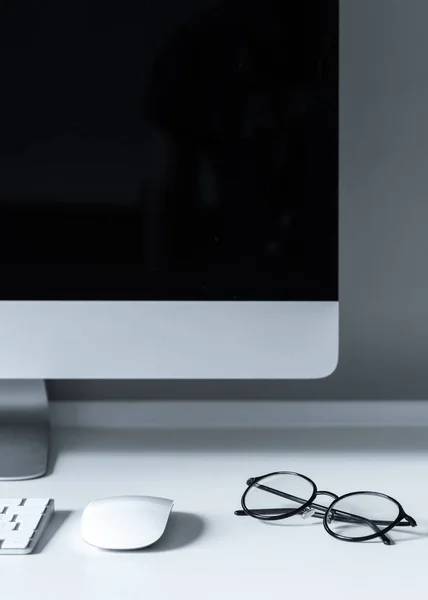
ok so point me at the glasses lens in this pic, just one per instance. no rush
(278, 495)
(360, 515)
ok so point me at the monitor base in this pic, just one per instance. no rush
(24, 429)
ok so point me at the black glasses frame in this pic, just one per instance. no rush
(310, 508)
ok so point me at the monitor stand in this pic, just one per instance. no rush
(24, 429)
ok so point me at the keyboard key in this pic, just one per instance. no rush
(7, 526)
(15, 541)
(38, 502)
(10, 502)
(25, 532)
(5, 518)
(28, 521)
(24, 510)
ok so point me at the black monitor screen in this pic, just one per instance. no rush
(169, 150)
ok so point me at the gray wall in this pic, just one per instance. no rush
(384, 218)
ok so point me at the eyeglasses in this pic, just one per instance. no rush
(354, 517)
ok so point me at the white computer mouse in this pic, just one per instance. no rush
(125, 522)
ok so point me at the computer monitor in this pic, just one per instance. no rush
(168, 195)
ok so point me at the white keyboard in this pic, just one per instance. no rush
(22, 523)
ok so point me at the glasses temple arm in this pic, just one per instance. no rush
(317, 515)
(345, 518)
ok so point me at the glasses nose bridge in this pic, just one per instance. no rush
(326, 493)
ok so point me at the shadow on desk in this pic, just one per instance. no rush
(182, 530)
(362, 441)
(397, 535)
(57, 521)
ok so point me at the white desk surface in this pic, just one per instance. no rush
(207, 552)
